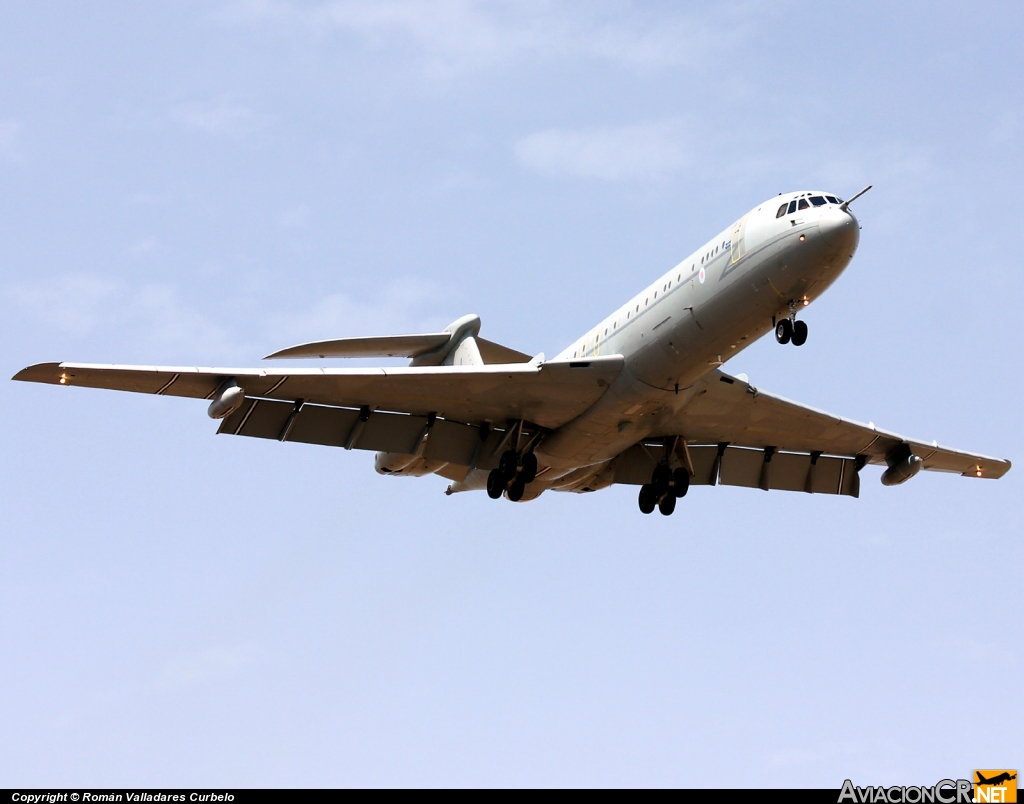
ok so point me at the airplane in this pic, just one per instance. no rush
(640, 399)
(995, 780)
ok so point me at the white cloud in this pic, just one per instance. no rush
(141, 248)
(151, 323)
(456, 35)
(220, 119)
(404, 305)
(294, 218)
(151, 316)
(10, 137)
(208, 665)
(641, 151)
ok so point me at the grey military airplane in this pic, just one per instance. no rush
(639, 399)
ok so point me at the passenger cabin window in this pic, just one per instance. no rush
(803, 204)
(817, 200)
(792, 207)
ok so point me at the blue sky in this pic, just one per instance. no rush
(203, 183)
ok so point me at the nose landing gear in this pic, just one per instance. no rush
(664, 489)
(789, 330)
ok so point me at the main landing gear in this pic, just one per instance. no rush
(789, 330)
(513, 473)
(664, 489)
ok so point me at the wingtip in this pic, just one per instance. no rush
(40, 372)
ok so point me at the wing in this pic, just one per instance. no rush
(735, 434)
(729, 409)
(546, 394)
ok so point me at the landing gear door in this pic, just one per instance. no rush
(736, 243)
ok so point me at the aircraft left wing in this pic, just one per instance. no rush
(730, 409)
(735, 434)
(546, 394)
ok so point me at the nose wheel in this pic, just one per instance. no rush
(789, 330)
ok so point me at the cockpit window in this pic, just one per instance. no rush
(792, 207)
(832, 199)
(817, 200)
(782, 211)
(803, 203)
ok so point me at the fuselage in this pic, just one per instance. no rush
(773, 261)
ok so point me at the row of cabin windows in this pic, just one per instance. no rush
(801, 203)
(667, 286)
(716, 249)
(615, 324)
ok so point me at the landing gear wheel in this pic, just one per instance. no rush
(647, 499)
(495, 484)
(528, 469)
(784, 331)
(661, 478)
(681, 482)
(667, 504)
(507, 465)
(799, 333)
(516, 490)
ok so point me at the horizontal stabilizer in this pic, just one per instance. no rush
(374, 346)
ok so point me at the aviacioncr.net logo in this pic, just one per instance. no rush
(945, 791)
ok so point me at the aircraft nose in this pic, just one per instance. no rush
(840, 230)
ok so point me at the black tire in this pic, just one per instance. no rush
(516, 490)
(528, 469)
(667, 504)
(784, 331)
(495, 484)
(647, 499)
(681, 482)
(661, 478)
(508, 465)
(799, 333)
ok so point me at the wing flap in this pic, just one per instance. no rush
(739, 466)
(448, 441)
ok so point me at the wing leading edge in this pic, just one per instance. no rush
(547, 394)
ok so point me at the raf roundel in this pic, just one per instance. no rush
(701, 276)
